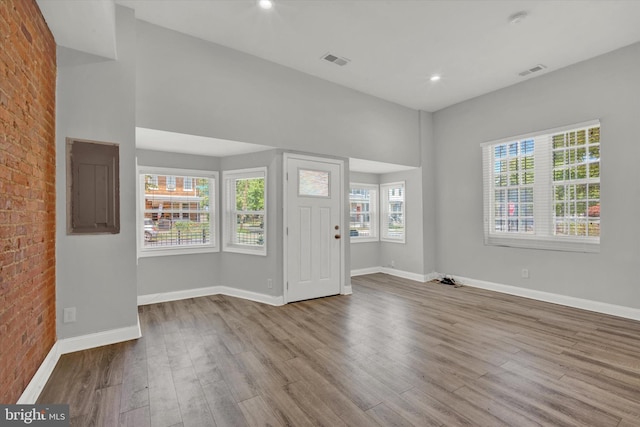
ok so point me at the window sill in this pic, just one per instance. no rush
(551, 244)
(401, 241)
(154, 252)
(239, 249)
(364, 239)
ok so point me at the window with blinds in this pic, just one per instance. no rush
(363, 213)
(542, 190)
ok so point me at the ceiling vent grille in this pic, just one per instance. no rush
(335, 59)
(535, 69)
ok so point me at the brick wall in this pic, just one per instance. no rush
(27, 194)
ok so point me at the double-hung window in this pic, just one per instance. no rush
(392, 212)
(187, 183)
(245, 214)
(363, 211)
(542, 190)
(174, 220)
(170, 180)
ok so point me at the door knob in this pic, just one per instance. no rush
(337, 236)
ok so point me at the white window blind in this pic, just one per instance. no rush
(363, 212)
(542, 190)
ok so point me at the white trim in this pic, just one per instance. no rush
(404, 274)
(252, 296)
(397, 273)
(213, 212)
(39, 380)
(208, 291)
(69, 345)
(98, 339)
(228, 203)
(385, 214)
(348, 290)
(285, 248)
(374, 214)
(558, 129)
(584, 304)
(363, 271)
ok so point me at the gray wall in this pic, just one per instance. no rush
(250, 272)
(410, 255)
(429, 189)
(240, 271)
(96, 101)
(605, 88)
(191, 86)
(364, 254)
(178, 272)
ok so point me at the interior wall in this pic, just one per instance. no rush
(179, 272)
(408, 256)
(250, 272)
(430, 181)
(364, 254)
(605, 88)
(195, 87)
(27, 195)
(96, 274)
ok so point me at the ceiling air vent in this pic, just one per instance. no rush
(535, 69)
(335, 59)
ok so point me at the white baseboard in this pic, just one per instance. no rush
(252, 296)
(348, 290)
(39, 380)
(393, 272)
(98, 339)
(69, 345)
(584, 304)
(211, 290)
(363, 271)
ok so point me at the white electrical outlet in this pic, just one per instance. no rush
(269, 283)
(69, 315)
(393, 264)
(525, 273)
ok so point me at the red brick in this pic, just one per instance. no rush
(27, 181)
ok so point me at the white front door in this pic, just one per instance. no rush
(313, 227)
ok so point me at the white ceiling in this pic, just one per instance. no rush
(157, 140)
(370, 166)
(88, 26)
(172, 142)
(395, 45)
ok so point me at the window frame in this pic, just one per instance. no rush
(173, 179)
(543, 237)
(186, 179)
(230, 212)
(374, 219)
(213, 246)
(385, 213)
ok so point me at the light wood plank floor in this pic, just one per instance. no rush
(395, 353)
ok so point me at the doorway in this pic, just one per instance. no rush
(313, 227)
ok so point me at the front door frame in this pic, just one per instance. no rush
(285, 208)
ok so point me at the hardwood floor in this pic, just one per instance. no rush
(395, 353)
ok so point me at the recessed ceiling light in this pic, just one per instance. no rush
(518, 17)
(265, 4)
(435, 78)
